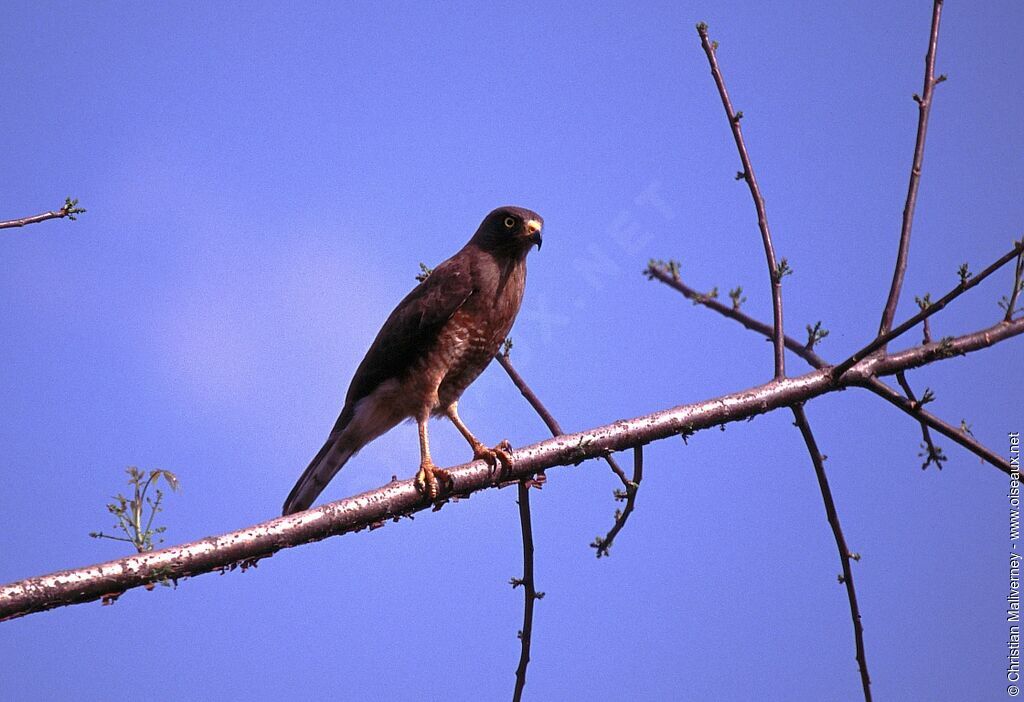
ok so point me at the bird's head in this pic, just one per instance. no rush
(511, 231)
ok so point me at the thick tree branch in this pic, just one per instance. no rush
(875, 385)
(246, 546)
(844, 552)
(775, 272)
(924, 106)
(922, 355)
(69, 210)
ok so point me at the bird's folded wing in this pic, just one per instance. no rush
(412, 329)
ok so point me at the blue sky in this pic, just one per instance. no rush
(262, 182)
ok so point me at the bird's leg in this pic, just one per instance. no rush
(502, 453)
(430, 478)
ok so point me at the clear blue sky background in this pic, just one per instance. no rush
(262, 182)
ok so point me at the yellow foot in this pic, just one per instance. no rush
(431, 480)
(499, 455)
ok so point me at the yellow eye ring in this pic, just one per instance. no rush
(510, 222)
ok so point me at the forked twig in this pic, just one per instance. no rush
(603, 544)
(931, 452)
(952, 433)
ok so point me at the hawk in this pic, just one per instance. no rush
(432, 346)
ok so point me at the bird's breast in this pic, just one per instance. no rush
(473, 335)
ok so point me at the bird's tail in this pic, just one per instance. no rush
(324, 466)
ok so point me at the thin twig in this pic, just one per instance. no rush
(1018, 282)
(844, 552)
(924, 106)
(69, 210)
(553, 426)
(961, 287)
(401, 498)
(932, 453)
(604, 544)
(952, 433)
(659, 273)
(875, 385)
(526, 527)
(775, 272)
(530, 594)
(922, 304)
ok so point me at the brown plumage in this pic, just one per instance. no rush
(432, 346)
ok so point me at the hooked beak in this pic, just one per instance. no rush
(534, 227)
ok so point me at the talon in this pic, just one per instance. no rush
(504, 450)
(500, 454)
(425, 481)
(444, 480)
(431, 481)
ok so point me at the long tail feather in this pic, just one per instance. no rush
(324, 466)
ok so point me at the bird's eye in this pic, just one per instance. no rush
(510, 222)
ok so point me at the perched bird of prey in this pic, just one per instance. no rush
(432, 346)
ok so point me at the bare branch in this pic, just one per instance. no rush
(552, 424)
(944, 428)
(656, 271)
(923, 304)
(247, 546)
(603, 544)
(844, 552)
(931, 452)
(775, 271)
(70, 209)
(918, 356)
(924, 106)
(530, 594)
(961, 287)
(875, 385)
(526, 526)
(1018, 283)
